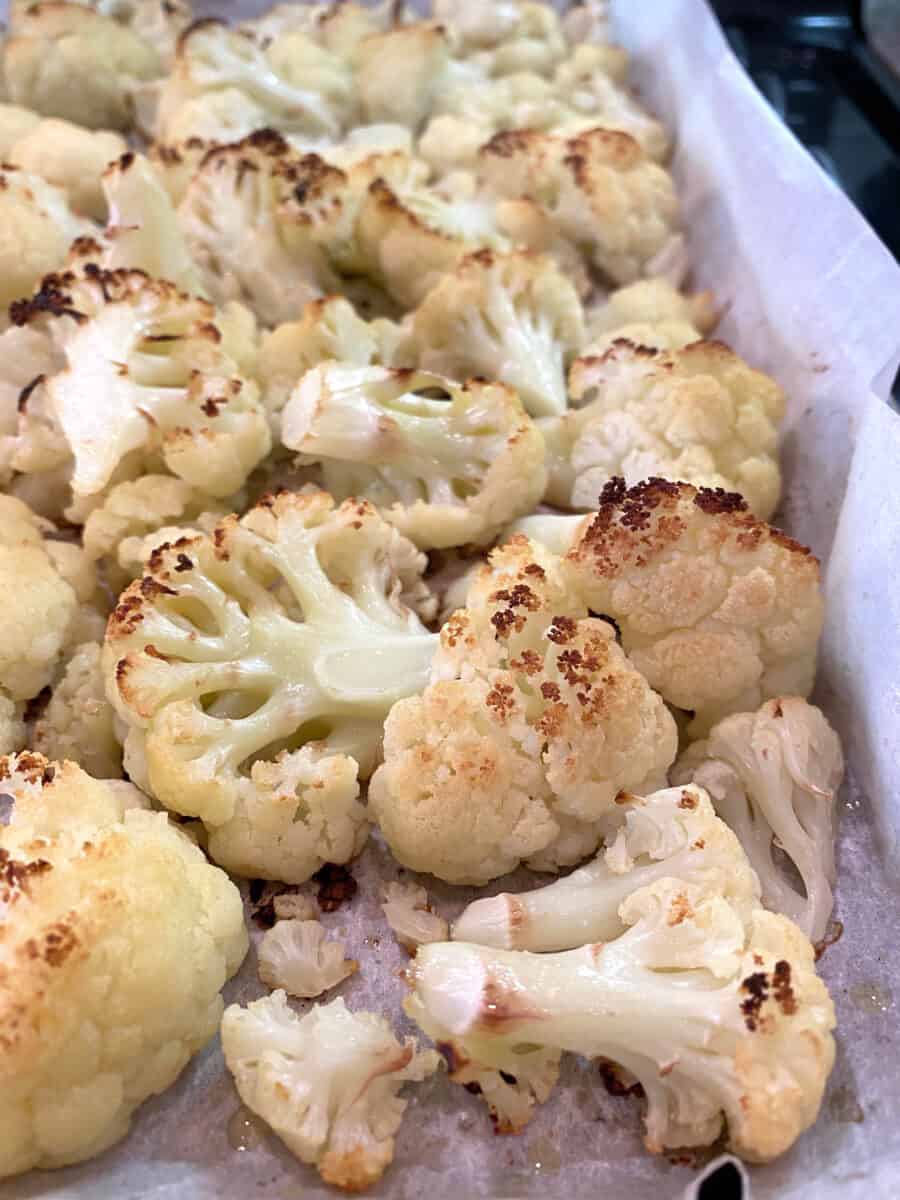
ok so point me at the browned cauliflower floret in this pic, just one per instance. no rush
(119, 936)
(718, 610)
(699, 414)
(532, 723)
(649, 312)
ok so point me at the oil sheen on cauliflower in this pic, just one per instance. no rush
(445, 463)
(164, 386)
(773, 776)
(716, 609)
(254, 669)
(327, 1083)
(699, 414)
(719, 1016)
(673, 833)
(119, 939)
(510, 317)
(532, 723)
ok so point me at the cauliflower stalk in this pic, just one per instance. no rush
(250, 666)
(532, 723)
(108, 900)
(773, 776)
(721, 1019)
(296, 956)
(327, 1083)
(446, 464)
(716, 609)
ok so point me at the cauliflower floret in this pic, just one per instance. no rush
(673, 833)
(15, 122)
(533, 721)
(68, 61)
(510, 317)
(510, 1077)
(773, 776)
(13, 733)
(159, 23)
(327, 1083)
(650, 312)
(162, 382)
(297, 957)
(305, 89)
(122, 939)
(590, 82)
(446, 464)
(398, 73)
(535, 43)
(69, 157)
(477, 26)
(116, 533)
(716, 609)
(601, 192)
(411, 917)
(587, 21)
(699, 414)
(78, 723)
(256, 218)
(36, 227)
(555, 531)
(249, 665)
(206, 121)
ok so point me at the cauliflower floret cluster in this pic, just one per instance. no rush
(716, 609)
(295, 955)
(327, 1083)
(699, 414)
(254, 668)
(104, 899)
(532, 723)
(650, 312)
(445, 463)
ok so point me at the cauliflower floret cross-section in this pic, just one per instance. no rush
(533, 722)
(327, 1083)
(446, 463)
(254, 669)
(718, 610)
(118, 939)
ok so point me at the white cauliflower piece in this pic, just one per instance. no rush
(36, 228)
(532, 723)
(699, 414)
(297, 957)
(510, 317)
(556, 531)
(206, 121)
(446, 464)
(670, 834)
(71, 158)
(587, 21)
(535, 43)
(512, 1077)
(248, 666)
(327, 1083)
(716, 609)
(773, 776)
(162, 381)
(302, 63)
(650, 312)
(257, 218)
(399, 71)
(159, 23)
(82, 861)
(13, 733)
(476, 26)
(175, 163)
(411, 917)
(602, 194)
(591, 80)
(15, 122)
(66, 60)
(78, 723)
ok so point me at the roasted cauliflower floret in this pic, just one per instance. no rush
(13, 733)
(532, 722)
(398, 72)
(119, 939)
(716, 609)
(650, 312)
(36, 228)
(591, 82)
(297, 956)
(412, 920)
(256, 218)
(327, 1083)
(700, 414)
(600, 191)
(163, 386)
(773, 776)
(535, 44)
(510, 317)
(670, 834)
(78, 723)
(249, 665)
(447, 464)
(68, 61)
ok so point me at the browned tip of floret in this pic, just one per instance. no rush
(55, 944)
(512, 603)
(25, 394)
(31, 765)
(53, 297)
(782, 990)
(509, 142)
(127, 614)
(194, 28)
(756, 991)
(16, 876)
(679, 910)
(606, 147)
(717, 500)
(687, 801)
(86, 246)
(336, 886)
(501, 701)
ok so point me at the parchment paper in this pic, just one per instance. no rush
(815, 299)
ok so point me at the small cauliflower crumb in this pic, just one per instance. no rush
(410, 916)
(295, 955)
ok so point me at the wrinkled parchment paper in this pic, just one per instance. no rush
(815, 299)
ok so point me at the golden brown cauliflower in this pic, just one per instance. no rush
(718, 610)
(532, 722)
(118, 940)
